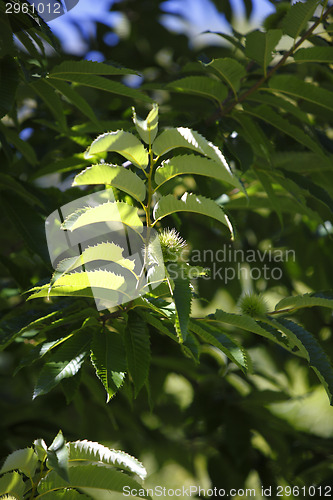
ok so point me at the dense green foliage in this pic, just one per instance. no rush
(68, 470)
(210, 368)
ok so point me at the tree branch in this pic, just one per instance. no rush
(219, 113)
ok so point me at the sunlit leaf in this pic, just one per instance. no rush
(114, 175)
(101, 479)
(95, 284)
(106, 212)
(123, 143)
(57, 456)
(181, 137)
(147, 129)
(97, 453)
(191, 164)
(12, 484)
(191, 203)
(25, 460)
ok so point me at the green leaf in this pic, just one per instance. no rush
(313, 189)
(293, 86)
(66, 362)
(118, 211)
(181, 137)
(214, 336)
(229, 70)
(9, 80)
(192, 164)
(28, 39)
(270, 116)
(260, 46)
(22, 146)
(137, 346)
(147, 129)
(191, 203)
(89, 67)
(74, 97)
(254, 135)
(113, 175)
(105, 251)
(249, 324)
(13, 484)
(298, 16)
(314, 54)
(95, 452)
(40, 350)
(13, 325)
(70, 387)
(57, 456)
(301, 162)
(266, 183)
(67, 494)
(260, 201)
(101, 83)
(69, 164)
(282, 103)
(182, 298)
(123, 143)
(97, 284)
(52, 101)
(315, 355)
(25, 460)
(323, 299)
(102, 479)
(40, 449)
(164, 326)
(201, 86)
(191, 347)
(109, 359)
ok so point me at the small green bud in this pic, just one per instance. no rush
(172, 245)
(253, 305)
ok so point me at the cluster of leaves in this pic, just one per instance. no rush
(266, 87)
(126, 346)
(68, 470)
(123, 344)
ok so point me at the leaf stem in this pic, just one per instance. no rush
(150, 191)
